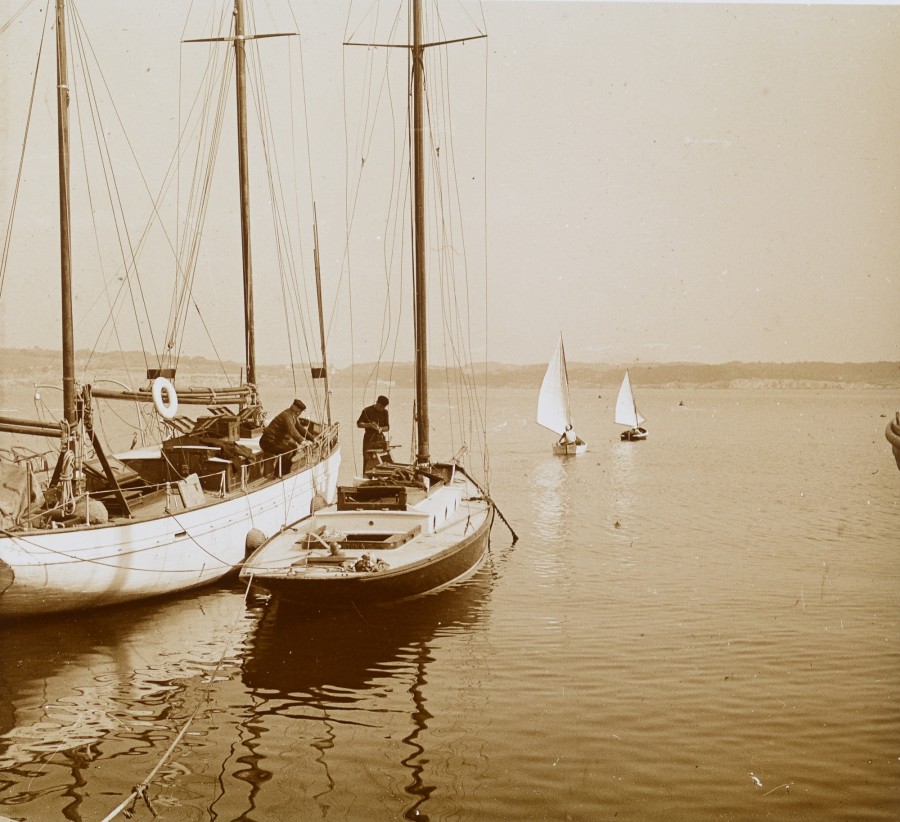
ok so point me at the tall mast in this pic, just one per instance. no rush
(244, 175)
(417, 150)
(65, 227)
(421, 305)
(240, 38)
(321, 316)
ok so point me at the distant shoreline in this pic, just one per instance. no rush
(40, 365)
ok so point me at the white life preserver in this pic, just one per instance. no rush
(167, 408)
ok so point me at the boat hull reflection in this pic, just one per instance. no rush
(354, 647)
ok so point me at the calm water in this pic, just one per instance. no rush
(700, 626)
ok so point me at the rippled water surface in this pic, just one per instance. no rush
(700, 626)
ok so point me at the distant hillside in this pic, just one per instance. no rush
(670, 375)
(39, 365)
(744, 374)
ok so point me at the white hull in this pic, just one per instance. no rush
(569, 449)
(88, 566)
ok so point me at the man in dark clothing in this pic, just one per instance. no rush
(375, 421)
(286, 431)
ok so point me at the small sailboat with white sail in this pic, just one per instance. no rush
(402, 529)
(554, 410)
(627, 413)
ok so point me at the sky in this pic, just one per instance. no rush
(660, 182)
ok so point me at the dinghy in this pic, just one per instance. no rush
(554, 410)
(627, 413)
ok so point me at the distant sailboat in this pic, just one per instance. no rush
(627, 413)
(554, 409)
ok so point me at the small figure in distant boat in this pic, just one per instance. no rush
(374, 420)
(286, 431)
(568, 437)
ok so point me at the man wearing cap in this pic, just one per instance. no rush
(375, 421)
(286, 431)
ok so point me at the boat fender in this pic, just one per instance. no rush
(91, 512)
(254, 539)
(7, 576)
(168, 407)
(317, 503)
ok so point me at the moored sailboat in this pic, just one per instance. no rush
(401, 529)
(627, 413)
(84, 527)
(554, 410)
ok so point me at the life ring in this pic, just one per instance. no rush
(167, 408)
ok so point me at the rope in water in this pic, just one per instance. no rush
(140, 790)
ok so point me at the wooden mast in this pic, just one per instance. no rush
(321, 316)
(244, 176)
(239, 40)
(416, 90)
(65, 227)
(421, 303)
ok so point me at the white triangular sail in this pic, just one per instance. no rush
(553, 402)
(626, 410)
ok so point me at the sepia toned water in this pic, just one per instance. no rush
(705, 625)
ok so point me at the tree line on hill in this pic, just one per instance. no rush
(41, 365)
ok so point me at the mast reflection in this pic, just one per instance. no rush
(330, 680)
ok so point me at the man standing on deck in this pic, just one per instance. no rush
(374, 420)
(286, 431)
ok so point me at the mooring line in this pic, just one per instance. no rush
(140, 790)
(487, 498)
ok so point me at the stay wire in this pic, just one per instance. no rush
(4, 261)
(123, 237)
(293, 293)
(206, 131)
(352, 191)
(201, 189)
(16, 15)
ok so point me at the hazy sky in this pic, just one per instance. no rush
(664, 181)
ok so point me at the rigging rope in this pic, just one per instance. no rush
(15, 15)
(12, 212)
(449, 256)
(126, 248)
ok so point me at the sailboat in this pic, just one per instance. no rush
(554, 409)
(627, 413)
(85, 527)
(400, 530)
